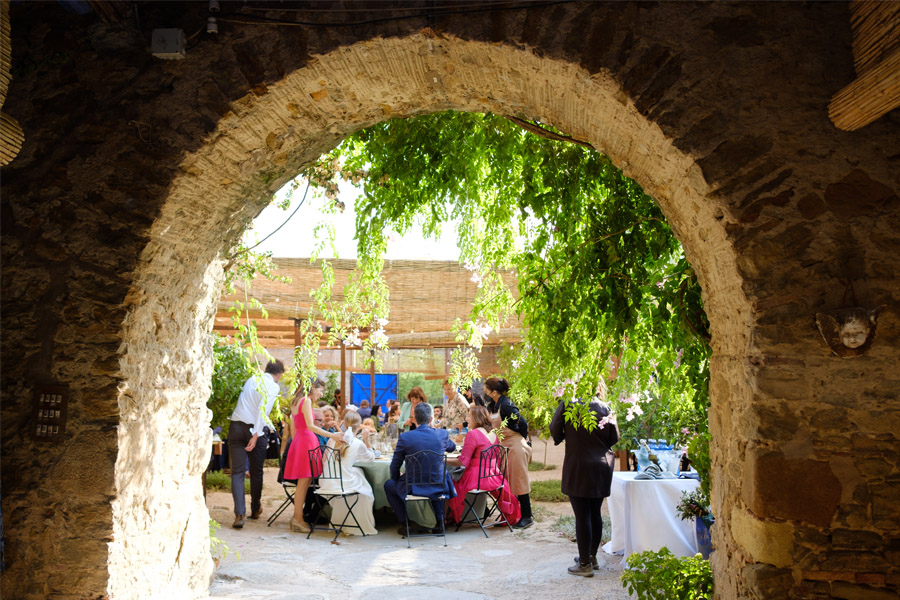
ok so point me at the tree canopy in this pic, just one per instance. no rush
(605, 293)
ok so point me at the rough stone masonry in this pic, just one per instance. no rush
(137, 175)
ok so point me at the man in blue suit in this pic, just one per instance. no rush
(423, 437)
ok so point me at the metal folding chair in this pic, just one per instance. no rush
(290, 487)
(325, 463)
(493, 465)
(426, 468)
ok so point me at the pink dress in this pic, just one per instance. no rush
(303, 440)
(470, 456)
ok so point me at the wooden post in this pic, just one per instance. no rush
(372, 381)
(343, 373)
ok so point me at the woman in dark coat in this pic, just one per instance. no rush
(586, 477)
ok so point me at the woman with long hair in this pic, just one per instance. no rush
(352, 450)
(303, 439)
(513, 437)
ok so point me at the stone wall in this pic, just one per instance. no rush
(137, 175)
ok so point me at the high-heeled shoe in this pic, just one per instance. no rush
(295, 524)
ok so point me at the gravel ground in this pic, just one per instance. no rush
(275, 563)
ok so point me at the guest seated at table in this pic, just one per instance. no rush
(393, 414)
(457, 408)
(329, 423)
(368, 424)
(415, 396)
(479, 438)
(353, 450)
(423, 437)
(364, 411)
(586, 476)
(438, 415)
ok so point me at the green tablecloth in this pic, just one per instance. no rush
(379, 471)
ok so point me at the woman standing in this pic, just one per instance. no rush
(303, 439)
(514, 434)
(586, 477)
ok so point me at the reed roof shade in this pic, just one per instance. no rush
(426, 298)
(876, 57)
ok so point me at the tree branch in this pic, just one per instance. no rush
(546, 133)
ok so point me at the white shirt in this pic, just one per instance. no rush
(255, 403)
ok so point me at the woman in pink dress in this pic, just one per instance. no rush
(478, 439)
(303, 439)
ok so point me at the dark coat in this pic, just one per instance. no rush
(588, 466)
(423, 437)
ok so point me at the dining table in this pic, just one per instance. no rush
(643, 515)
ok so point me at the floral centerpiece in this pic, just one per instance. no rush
(694, 505)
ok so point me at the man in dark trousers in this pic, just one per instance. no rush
(423, 437)
(248, 439)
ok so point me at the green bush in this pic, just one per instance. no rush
(547, 491)
(218, 480)
(662, 576)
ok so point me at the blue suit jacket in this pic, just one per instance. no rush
(421, 438)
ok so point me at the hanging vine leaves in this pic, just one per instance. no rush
(604, 291)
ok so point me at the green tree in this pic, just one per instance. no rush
(604, 290)
(231, 368)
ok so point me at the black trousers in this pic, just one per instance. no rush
(588, 526)
(238, 437)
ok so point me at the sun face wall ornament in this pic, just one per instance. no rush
(849, 332)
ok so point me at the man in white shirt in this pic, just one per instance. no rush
(248, 439)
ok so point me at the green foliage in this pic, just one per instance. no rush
(698, 451)
(599, 272)
(539, 466)
(217, 547)
(432, 387)
(565, 526)
(547, 491)
(219, 481)
(231, 369)
(661, 576)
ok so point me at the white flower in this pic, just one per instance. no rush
(381, 322)
(353, 339)
(484, 329)
(379, 338)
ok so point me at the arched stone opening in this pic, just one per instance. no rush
(772, 204)
(269, 139)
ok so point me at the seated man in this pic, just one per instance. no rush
(364, 411)
(423, 437)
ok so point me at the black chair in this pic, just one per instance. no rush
(426, 469)
(493, 464)
(325, 463)
(288, 485)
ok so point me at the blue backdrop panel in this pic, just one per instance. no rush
(386, 385)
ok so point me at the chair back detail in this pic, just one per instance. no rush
(426, 473)
(325, 464)
(492, 466)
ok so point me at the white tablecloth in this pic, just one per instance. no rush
(643, 515)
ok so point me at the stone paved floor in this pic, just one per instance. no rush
(275, 563)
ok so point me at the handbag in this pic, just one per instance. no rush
(273, 449)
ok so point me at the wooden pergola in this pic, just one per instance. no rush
(426, 298)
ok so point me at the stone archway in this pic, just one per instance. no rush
(270, 137)
(135, 176)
